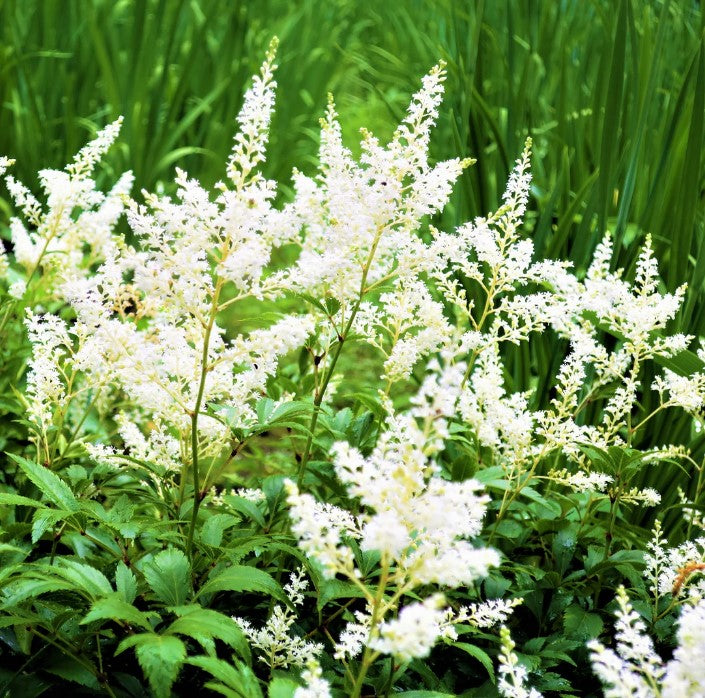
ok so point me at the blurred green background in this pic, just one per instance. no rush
(612, 91)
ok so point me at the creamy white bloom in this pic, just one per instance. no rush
(678, 570)
(583, 481)
(633, 668)
(277, 646)
(316, 685)
(512, 674)
(685, 673)
(414, 632)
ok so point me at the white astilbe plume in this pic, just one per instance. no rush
(582, 481)
(253, 121)
(633, 668)
(276, 645)
(679, 570)
(512, 674)
(316, 685)
(46, 387)
(419, 522)
(417, 518)
(149, 312)
(414, 632)
(67, 244)
(361, 218)
(486, 613)
(685, 673)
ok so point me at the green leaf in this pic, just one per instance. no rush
(331, 589)
(332, 305)
(22, 589)
(161, 658)
(247, 508)
(125, 582)
(280, 687)
(18, 500)
(212, 530)
(264, 409)
(168, 574)
(480, 655)
(71, 670)
(581, 623)
(115, 608)
(203, 624)
(50, 484)
(243, 578)
(236, 678)
(83, 576)
(44, 519)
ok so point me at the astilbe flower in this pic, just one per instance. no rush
(149, 313)
(678, 571)
(512, 674)
(419, 522)
(276, 645)
(64, 243)
(634, 668)
(685, 673)
(147, 331)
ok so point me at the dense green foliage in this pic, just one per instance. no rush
(101, 581)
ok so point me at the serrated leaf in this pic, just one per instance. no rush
(19, 500)
(235, 677)
(125, 582)
(337, 589)
(581, 623)
(203, 625)
(83, 576)
(243, 578)
(168, 575)
(160, 657)
(44, 519)
(115, 608)
(20, 590)
(480, 655)
(212, 530)
(48, 483)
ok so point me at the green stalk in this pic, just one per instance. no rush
(194, 419)
(318, 399)
(369, 655)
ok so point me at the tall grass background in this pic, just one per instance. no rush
(611, 91)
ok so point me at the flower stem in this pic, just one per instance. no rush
(194, 418)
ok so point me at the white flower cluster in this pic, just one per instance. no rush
(67, 245)
(277, 646)
(148, 336)
(512, 674)
(419, 522)
(685, 673)
(414, 631)
(634, 668)
(146, 323)
(485, 614)
(679, 571)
